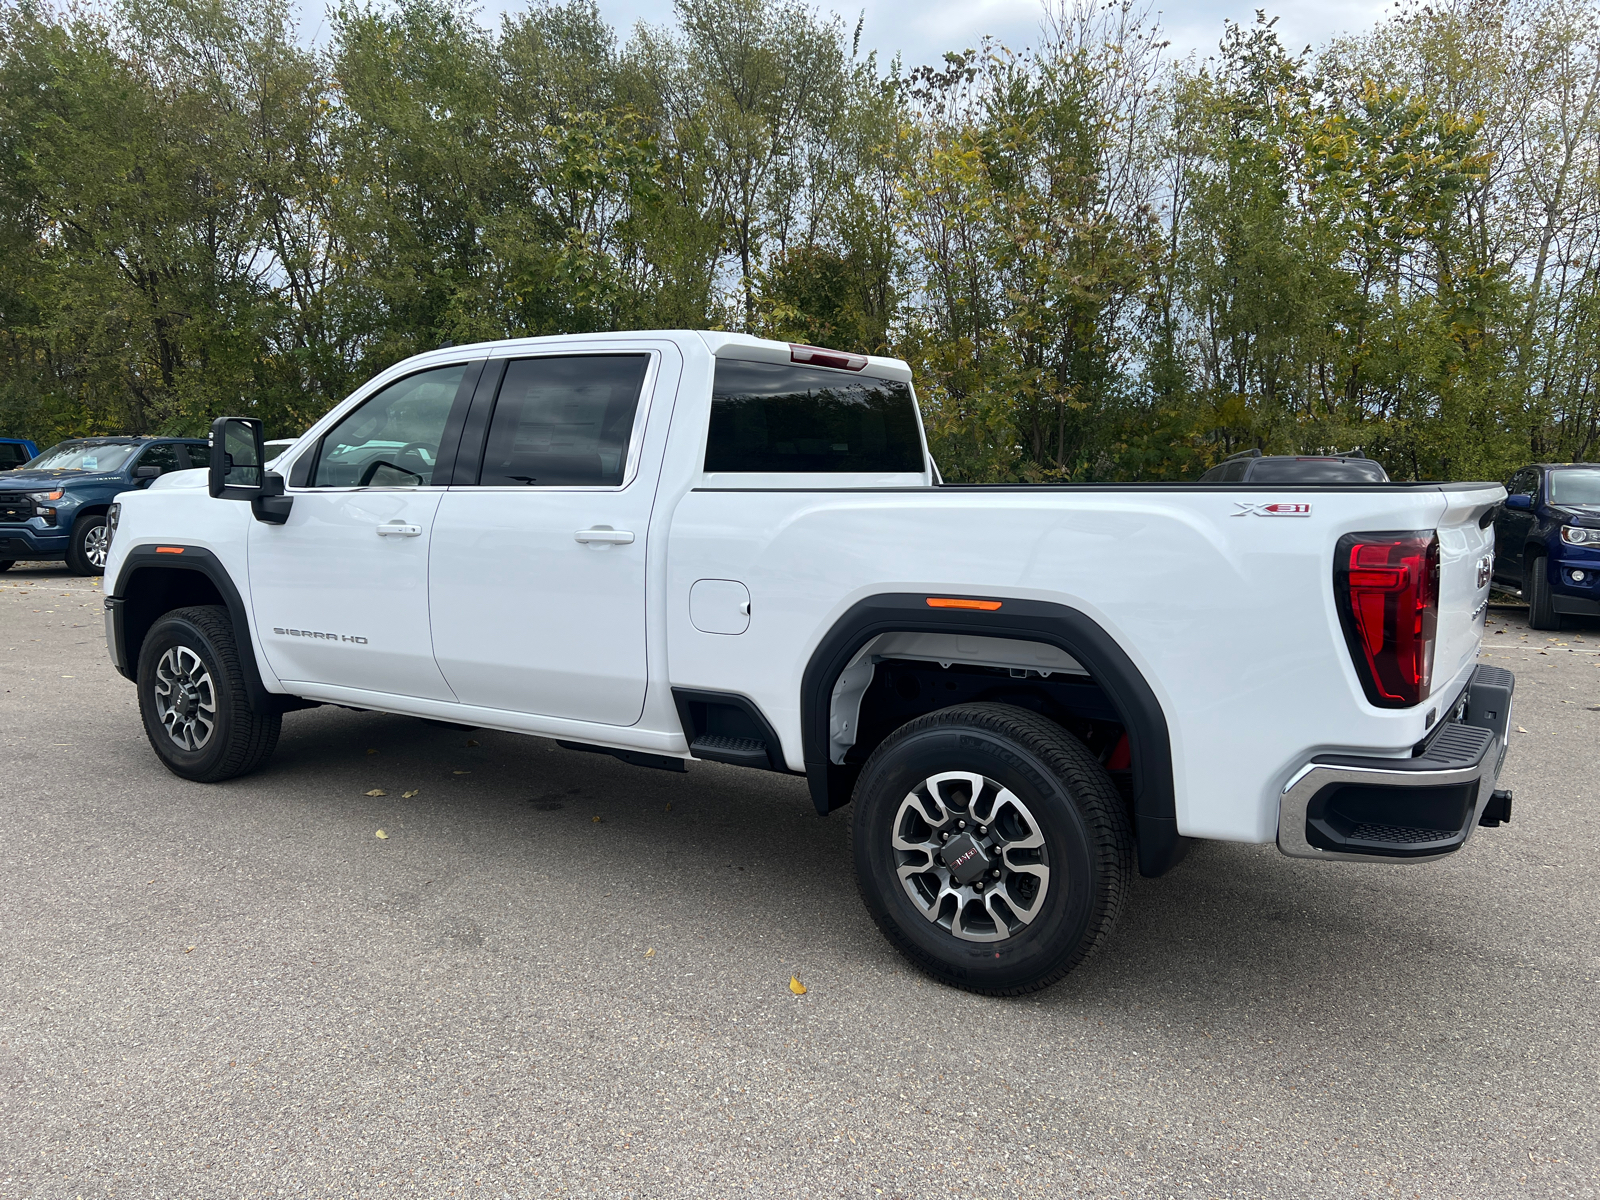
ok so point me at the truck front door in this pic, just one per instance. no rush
(537, 573)
(340, 592)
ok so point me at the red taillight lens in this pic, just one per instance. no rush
(1387, 586)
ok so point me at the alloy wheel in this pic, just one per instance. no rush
(971, 856)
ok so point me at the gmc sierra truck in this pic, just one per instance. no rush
(677, 546)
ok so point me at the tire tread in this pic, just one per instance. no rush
(251, 736)
(1091, 789)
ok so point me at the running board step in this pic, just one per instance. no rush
(741, 752)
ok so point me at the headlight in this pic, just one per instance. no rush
(45, 497)
(1576, 535)
(113, 515)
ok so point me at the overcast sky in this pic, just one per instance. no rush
(922, 30)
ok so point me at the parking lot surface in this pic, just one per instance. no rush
(558, 974)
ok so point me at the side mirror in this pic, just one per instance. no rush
(1520, 503)
(238, 471)
(147, 472)
(236, 458)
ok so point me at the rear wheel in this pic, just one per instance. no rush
(1542, 612)
(192, 697)
(991, 847)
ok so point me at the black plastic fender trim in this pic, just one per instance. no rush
(1160, 846)
(178, 557)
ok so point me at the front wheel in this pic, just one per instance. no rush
(991, 847)
(1542, 612)
(192, 697)
(89, 545)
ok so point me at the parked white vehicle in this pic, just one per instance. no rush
(677, 546)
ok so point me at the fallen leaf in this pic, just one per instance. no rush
(597, 821)
(411, 793)
(471, 742)
(650, 953)
(795, 986)
(371, 751)
(383, 835)
(1520, 729)
(669, 806)
(377, 792)
(189, 950)
(461, 772)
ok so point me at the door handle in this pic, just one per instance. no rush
(396, 529)
(605, 535)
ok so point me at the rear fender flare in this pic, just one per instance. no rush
(1149, 740)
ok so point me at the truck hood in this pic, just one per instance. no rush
(1588, 514)
(40, 480)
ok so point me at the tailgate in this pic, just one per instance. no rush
(1466, 552)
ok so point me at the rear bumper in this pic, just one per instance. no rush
(1355, 809)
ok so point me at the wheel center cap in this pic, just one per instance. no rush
(187, 702)
(966, 859)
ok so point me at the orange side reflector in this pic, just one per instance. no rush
(179, 550)
(948, 602)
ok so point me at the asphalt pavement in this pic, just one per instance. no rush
(561, 975)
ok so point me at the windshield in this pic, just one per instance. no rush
(83, 456)
(1575, 485)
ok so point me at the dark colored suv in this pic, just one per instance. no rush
(53, 507)
(1252, 466)
(1547, 541)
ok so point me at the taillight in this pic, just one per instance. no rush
(1387, 587)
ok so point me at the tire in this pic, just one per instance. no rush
(192, 697)
(1034, 783)
(86, 552)
(6, 564)
(1542, 613)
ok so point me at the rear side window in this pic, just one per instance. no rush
(1312, 470)
(790, 419)
(564, 421)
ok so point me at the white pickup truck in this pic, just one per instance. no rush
(677, 546)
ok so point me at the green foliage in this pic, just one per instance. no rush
(1099, 263)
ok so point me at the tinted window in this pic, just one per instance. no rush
(1575, 485)
(1523, 483)
(777, 417)
(392, 440)
(84, 456)
(1313, 470)
(11, 455)
(165, 457)
(564, 421)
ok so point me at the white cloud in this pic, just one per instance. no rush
(922, 31)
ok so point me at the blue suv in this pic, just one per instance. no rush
(1547, 541)
(53, 507)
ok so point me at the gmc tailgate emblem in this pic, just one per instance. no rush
(1279, 508)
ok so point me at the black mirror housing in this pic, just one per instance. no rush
(147, 472)
(236, 459)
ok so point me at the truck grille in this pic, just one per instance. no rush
(15, 508)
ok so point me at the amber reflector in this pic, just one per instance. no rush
(169, 549)
(949, 602)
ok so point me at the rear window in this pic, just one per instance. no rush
(775, 417)
(564, 421)
(1313, 470)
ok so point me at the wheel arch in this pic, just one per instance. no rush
(155, 581)
(1160, 846)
